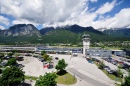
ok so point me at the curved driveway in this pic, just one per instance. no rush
(87, 74)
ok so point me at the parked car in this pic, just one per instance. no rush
(94, 59)
(97, 60)
(20, 58)
(106, 67)
(56, 58)
(121, 62)
(45, 63)
(28, 54)
(3, 63)
(8, 57)
(125, 66)
(40, 59)
(128, 61)
(110, 71)
(90, 61)
(115, 62)
(19, 65)
(75, 55)
(51, 64)
(35, 56)
(109, 59)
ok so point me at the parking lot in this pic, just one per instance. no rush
(112, 64)
(34, 67)
(77, 66)
(81, 65)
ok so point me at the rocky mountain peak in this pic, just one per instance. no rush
(22, 30)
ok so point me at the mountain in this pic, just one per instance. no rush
(70, 34)
(1, 32)
(118, 32)
(21, 30)
(20, 33)
(46, 29)
(73, 28)
(28, 33)
(78, 29)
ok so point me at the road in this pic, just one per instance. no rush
(87, 78)
(87, 74)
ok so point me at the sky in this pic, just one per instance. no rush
(46, 13)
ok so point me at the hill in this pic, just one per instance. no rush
(70, 34)
(118, 32)
(23, 34)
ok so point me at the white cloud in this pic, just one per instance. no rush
(2, 28)
(41, 11)
(93, 0)
(107, 7)
(23, 21)
(128, 27)
(121, 19)
(4, 20)
(120, 2)
(63, 12)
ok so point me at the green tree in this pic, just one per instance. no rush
(101, 65)
(102, 46)
(11, 62)
(47, 80)
(61, 65)
(119, 73)
(1, 54)
(126, 81)
(43, 52)
(12, 76)
(14, 51)
(45, 56)
(50, 59)
(10, 54)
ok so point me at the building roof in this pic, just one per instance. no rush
(116, 50)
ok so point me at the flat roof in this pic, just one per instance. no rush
(116, 50)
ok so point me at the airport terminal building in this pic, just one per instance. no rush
(49, 50)
(86, 50)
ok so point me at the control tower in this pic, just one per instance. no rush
(86, 42)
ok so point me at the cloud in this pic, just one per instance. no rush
(107, 7)
(121, 19)
(128, 27)
(93, 1)
(24, 21)
(2, 28)
(41, 11)
(64, 12)
(4, 20)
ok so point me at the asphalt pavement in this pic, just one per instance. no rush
(87, 74)
(86, 78)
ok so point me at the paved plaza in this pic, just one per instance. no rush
(87, 74)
